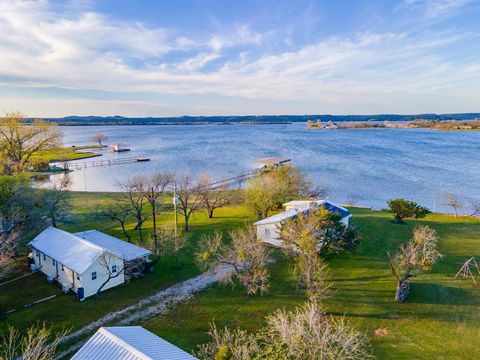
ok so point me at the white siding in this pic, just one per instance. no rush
(268, 233)
(74, 280)
(91, 286)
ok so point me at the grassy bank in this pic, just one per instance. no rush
(440, 320)
(66, 154)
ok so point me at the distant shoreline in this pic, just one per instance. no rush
(173, 123)
(255, 119)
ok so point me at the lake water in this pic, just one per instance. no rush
(375, 164)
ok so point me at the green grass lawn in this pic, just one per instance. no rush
(441, 320)
(66, 311)
(65, 154)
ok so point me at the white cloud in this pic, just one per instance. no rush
(433, 8)
(42, 46)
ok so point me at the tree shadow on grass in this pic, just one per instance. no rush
(363, 278)
(427, 293)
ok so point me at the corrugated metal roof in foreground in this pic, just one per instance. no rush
(123, 249)
(67, 249)
(129, 343)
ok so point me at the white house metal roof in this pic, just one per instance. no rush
(129, 343)
(122, 249)
(343, 212)
(302, 202)
(67, 249)
(277, 217)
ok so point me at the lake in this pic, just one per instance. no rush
(374, 165)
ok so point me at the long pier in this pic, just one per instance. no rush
(77, 165)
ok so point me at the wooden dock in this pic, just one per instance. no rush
(79, 165)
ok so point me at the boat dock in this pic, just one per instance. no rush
(79, 165)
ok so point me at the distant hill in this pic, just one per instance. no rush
(260, 119)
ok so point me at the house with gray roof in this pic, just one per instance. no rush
(129, 343)
(84, 261)
(268, 228)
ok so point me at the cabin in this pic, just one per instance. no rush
(129, 342)
(84, 261)
(268, 229)
(119, 147)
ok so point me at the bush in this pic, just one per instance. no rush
(402, 208)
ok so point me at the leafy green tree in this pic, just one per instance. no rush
(402, 209)
(260, 195)
(306, 237)
(268, 191)
(291, 182)
(19, 141)
(13, 192)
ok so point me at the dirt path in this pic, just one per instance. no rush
(152, 305)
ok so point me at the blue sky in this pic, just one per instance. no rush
(170, 58)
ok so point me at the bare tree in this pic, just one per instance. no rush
(7, 250)
(420, 253)
(189, 194)
(475, 209)
(119, 212)
(172, 240)
(229, 344)
(306, 333)
(213, 198)
(452, 200)
(136, 202)
(110, 269)
(54, 201)
(352, 199)
(318, 193)
(246, 255)
(100, 139)
(154, 187)
(20, 141)
(39, 343)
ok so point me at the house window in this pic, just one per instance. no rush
(94, 275)
(38, 253)
(114, 269)
(267, 231)
(53, 262)
(63, 268)
(44, 257)
(78, 277)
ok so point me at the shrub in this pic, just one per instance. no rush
(402, 208)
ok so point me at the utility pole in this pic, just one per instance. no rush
(175, 202)
(154, 215)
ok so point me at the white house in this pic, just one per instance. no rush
(82, 262)
(129, 342)
(268, 229)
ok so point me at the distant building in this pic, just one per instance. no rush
(331, 125)
(82, 262)
(129, 342)
(272, 162)
(119, 147)
(268, 229)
